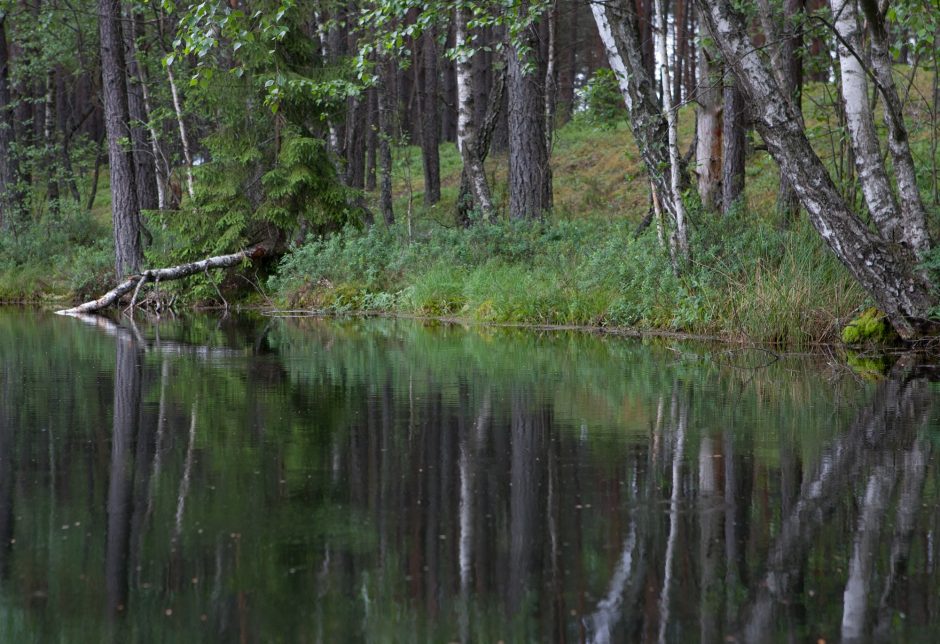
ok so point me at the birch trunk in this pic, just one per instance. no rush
(912, 225)
(861, 127)
(885, 271)
(616, 22)
(184, 136)
(551, 86)
(680, 236)
(466, 127)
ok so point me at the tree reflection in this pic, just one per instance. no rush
(362, 488)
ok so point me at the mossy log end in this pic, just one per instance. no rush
(134, 282)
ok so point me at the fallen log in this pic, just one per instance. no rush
(134, 282)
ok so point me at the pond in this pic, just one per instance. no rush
(311, 480)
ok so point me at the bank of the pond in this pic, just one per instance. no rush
(747, 282)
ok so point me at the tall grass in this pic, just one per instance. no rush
(748, 280)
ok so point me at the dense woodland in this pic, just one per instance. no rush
(402, 139)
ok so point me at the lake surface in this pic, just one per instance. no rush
(377, 480)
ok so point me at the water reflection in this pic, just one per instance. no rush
(385, 481)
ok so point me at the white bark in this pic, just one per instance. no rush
(680, 417)
(861, 126)
(616, 25)
(163, 275)
(912, 225)
(680, 235)
(886, 271)
(855, 598)
(466, 128)
(708, 131)
(184, 136)
(162, 167)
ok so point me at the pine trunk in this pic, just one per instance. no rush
(125, 209)
(385, 145)
(734, 146)
(430, 119)
(530, 175)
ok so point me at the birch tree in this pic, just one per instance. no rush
(466, 125)
(618, 28)
(886, 270)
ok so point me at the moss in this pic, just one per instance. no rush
(868, 367)
(871, 327)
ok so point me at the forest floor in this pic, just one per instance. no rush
(750, 279)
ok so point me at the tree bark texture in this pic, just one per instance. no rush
(145, 169)
(466, 125)
(859, 122)
(708, 116)
(9, 167)
(791, 54)
(430, 118)
(680, 237)
(912, 224)
(125, 208)
(619, 30)
(481, 145)
(530, 174)
(885, 271)
(734, 146)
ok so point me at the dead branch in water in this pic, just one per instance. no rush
(134, 282)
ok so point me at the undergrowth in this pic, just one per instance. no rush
(747, 281)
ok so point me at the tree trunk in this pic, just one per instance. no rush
(619, 31)
(735, 142)
(681, 237)
(466, 126)
(708, 130)
(859, 122)
(450, 118)
(551, 83)
(49, 142)
(886, 272)
(372, 124)
(568, 69)
(125, 209)
(9, 166)
(430, 119)
(912, 226)
(791, 55)
(181, 126)
(481, 146)
(530, 174)
(145, 169)
(385, 144)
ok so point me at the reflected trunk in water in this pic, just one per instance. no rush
(127, 376)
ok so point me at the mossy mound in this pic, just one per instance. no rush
(871, 327)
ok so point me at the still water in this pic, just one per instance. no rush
(331, 481)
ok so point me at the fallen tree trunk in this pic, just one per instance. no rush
(134, 282)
